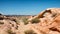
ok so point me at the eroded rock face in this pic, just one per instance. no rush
(49, 21)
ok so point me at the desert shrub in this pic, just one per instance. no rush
(36, 20)
(29, 32)
(1, 22)
(17, 21)
(16, 27)
(12, 25)
(10, 32)
(25, 20)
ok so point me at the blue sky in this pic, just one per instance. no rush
(26, 7)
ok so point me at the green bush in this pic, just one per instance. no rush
(25, 20)
(29, 32)
(36, 20)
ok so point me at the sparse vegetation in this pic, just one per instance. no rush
(16, 27)
(36, 20)
(1, 22)
(12, 25)
(29, 32)
(25, 20)
(10, 32)
(17, 21)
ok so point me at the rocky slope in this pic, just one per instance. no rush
(47, 22)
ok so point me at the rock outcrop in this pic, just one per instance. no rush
(49, 22)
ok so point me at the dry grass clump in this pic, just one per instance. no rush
(1, 22)
(36, 20)
(25, 20)
(10, 32)
(29, 32)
